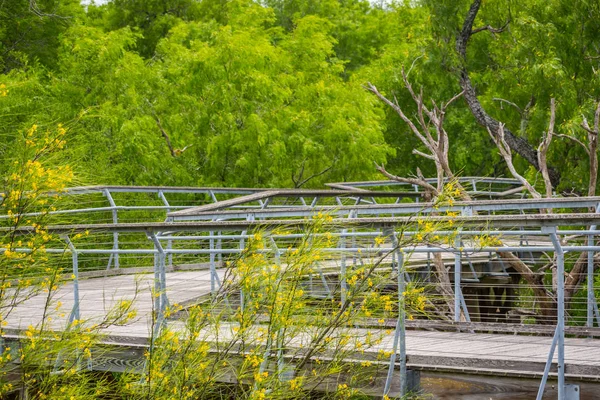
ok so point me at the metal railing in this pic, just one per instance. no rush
(221, 229)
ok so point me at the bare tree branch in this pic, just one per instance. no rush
(370, 87)
(505, 152)
(431, 133)
(420, 153)
(413, 181)
(298, 182)
(33, 7)
(174, 152)
(543, 149)
(592, 149)
(573, 138)
(491, 29)
(510, 103)
(164, 135)
(452, 100)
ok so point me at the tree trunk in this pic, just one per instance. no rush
(545, 299)
(518, 144)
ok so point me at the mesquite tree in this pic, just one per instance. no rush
(438, 143)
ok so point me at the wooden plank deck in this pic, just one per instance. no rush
(478, 353)
(100, 294)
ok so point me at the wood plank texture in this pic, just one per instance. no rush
(485, 353)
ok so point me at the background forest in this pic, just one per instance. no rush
(271, 93)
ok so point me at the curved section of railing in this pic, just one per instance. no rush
(205, 227)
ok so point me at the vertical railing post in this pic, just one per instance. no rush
(215, 282)
(275, 248)
(560, 309)
(161, 195)
(213, 267)
(428, 273)
(75, 315)
(591, 297)
(219, 253)
(250, 217)
(457, 272)
(540, 393)
(343, 282)
(160, 282)
(115, 218)
(353, 214)
(399, 344)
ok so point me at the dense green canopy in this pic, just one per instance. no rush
(270, 93)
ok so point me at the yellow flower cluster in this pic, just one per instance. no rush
(488, 241)
(254, 360)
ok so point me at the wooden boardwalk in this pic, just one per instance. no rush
(469, 353)
(100, 294)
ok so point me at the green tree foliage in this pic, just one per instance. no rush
(268, 93)
(243, 103)
(546, 50)
(151, 18)
(30, 30)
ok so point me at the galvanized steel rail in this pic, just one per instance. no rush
(258, 209)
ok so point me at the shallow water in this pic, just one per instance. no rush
(467, 387)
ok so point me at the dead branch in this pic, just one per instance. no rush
(174, 152)
(299, 182)
(592, 149)
(510, 103)
(505, 152)
(424, 155)
(413, 181)
(370, 87)
(573, 138)
(429, 129)
(490, 29)
(547, 302)
(164, 135)
(445, 287)
(543, 149)
(34, 8)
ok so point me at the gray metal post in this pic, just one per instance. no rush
(219, 254)
(250, 217)
(540, 393)
(591, 298)
(161, 195)
(457, 272)
(353, 246)
(343, 283)
(213, 268)
(75, 311)
(275, 249)
(560, 314)
(400, 332)
(160, 276)
(115, 218)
